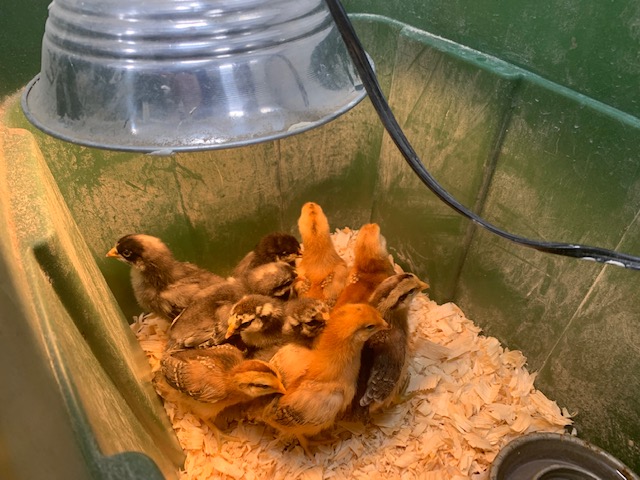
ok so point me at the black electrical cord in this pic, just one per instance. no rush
(370, 81)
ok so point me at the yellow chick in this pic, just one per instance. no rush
(322, 273)
(320, 382)
(370, 267)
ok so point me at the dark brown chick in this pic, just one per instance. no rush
(161, 284)
(322, 273)
(320, 382)
(383, 372)
(269, 269)
(274, 279)
(206, 381)
(371, 265)
(273, 247)
(205, 321)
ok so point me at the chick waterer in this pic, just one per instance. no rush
(175, 75)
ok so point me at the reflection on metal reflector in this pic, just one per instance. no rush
(149, 75)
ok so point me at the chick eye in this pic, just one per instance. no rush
(370, 326)
(404, 297)
(126, 253)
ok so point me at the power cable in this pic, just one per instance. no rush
(370, 81)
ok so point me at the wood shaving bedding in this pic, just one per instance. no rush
(467, 397)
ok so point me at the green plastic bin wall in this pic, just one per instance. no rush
(536, 132)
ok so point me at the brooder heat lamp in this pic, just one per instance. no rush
(177, 75)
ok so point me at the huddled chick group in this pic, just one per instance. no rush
(295, 333)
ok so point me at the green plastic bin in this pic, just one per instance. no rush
(526, 113)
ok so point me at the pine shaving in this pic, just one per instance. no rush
(467, 397)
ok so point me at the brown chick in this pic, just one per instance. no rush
(205, 321)
(320, 382)
(370, 267)
(258, 319)
(264, 323)
(161, 284)
(206, 381)
(322, 273)
(305, 318)
(383, 371)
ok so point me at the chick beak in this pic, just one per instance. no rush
(423, 285)
(281, 389)
(113, 253)
(231, 330)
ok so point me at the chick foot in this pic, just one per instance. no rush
(323, 441)
(221, 437)
(307, 443)
(402, 396)
(304, 443)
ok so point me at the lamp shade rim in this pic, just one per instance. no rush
(58, 128)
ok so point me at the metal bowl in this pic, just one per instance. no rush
(551, 456)
(148, 75)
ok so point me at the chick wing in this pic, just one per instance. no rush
(205, 321)
(310, 408)
(273, 279)
(201, 373)
(385, 359)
